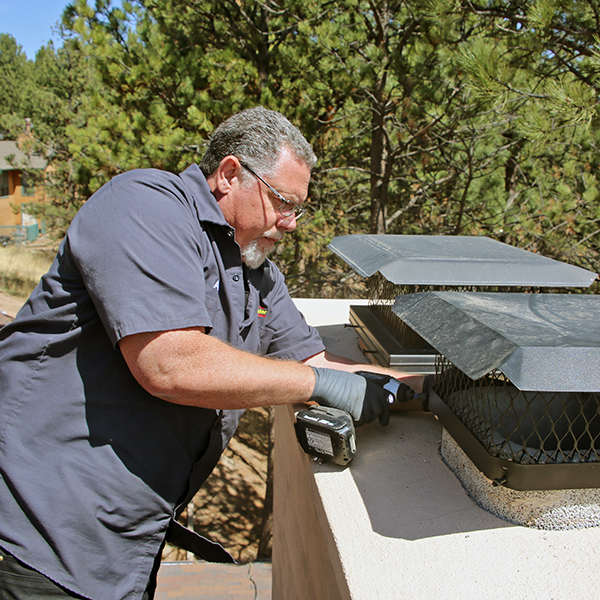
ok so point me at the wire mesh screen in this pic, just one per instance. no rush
(523, 427)
(382, 294)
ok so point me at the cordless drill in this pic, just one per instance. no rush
(328, 434)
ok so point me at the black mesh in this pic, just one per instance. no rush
(382, 294)
(524, 427)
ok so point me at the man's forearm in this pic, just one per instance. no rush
(189, 367)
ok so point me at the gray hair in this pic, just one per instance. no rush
(257, 137)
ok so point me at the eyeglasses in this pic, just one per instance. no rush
(287, 208)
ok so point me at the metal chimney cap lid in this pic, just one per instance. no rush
(541, 342)
(454, 261)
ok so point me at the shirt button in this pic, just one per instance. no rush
(236, 277)
(230, 233)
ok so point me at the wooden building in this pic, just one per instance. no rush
(16, 189)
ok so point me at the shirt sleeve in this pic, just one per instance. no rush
(288, 335)
(136, 244)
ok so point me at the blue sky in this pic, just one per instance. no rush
(30, 22)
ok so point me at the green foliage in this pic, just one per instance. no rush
(428, 117)
(16, 84)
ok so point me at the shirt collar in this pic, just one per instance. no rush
(206, 203)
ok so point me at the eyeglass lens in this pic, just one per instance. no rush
(287, 207)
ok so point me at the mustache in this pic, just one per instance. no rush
(275, 235)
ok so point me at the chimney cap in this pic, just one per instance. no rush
(541, 342)
(474, 261)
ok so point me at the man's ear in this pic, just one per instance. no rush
(228, 170)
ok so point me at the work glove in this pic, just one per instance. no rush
(356, 394)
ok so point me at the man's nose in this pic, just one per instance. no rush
(287, 223)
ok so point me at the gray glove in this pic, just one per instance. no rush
(352, 393)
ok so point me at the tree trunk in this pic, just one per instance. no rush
(378, 171)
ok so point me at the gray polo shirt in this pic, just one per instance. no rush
(92, 467)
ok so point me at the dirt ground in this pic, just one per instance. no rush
(9, 305)
(229, 508)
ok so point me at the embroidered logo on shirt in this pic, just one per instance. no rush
(262, 311)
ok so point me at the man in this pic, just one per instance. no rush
(126, 372)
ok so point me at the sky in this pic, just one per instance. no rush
(30, 22)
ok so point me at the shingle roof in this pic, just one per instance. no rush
(8, 149)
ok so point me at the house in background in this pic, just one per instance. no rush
(17, 192)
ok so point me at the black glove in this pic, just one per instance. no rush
(396, 392)
(376, 404)
(356, 394)
(400, 391)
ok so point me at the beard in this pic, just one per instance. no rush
(254, 254)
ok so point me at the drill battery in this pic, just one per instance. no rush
(326, 434)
